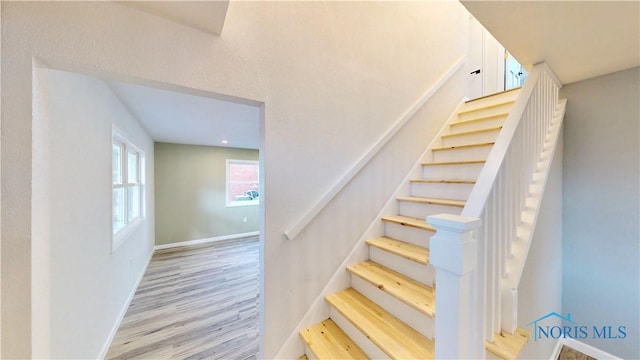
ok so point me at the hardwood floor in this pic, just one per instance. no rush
(194, 302)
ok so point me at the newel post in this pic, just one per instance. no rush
(458, 322)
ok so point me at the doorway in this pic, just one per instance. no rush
(515, 74)
(492, 69)
(83, 284)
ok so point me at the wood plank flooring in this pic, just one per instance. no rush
(194, 302)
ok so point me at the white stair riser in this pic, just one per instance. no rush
(478, 125)
(456, 172)
(491, 356)
(485, 112)
(418, 272)
(410, 316)
(453, 191)
(358, 337)
(421, 211)
(473, 138)
(309, 353)
(408, 234)
(462, 154)
(498, 98)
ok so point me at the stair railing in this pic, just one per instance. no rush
(500, 200)
(503, 186)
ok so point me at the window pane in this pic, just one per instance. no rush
(116, 163)
(243, 192)
(243, 182)
(134, 202)
(132, 167)
(243, 172)
(118, 209)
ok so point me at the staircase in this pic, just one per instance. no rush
(389, 310)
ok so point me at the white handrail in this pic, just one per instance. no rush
(501, 194)
(301, 224)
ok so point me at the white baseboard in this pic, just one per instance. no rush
(581, 347)
(207, 240)
(116, 326)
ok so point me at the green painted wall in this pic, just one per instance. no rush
(190, 188)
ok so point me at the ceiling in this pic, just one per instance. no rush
(577, 39)
(181, 118)
(204, 15)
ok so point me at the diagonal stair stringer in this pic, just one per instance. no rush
(319, 310)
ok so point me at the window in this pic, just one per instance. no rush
(127, 164)
(242, 182)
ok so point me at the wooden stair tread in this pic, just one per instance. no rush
(507, 346)
(480, 118)
(456, 147)
(406, 250)
(471, 132)
(407, 290)
(443, 181)
(409, 221)
(494, 94)
(491, 106)
(454, 162)
(433, 201)
(327, 341)
(392, 336)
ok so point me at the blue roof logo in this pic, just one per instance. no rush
(536, 328)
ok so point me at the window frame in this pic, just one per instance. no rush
(126, 147)
(228, 182)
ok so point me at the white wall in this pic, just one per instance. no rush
(601, 250)
(333, 76)
(41, 215)
(89, 285)
(540, 290)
